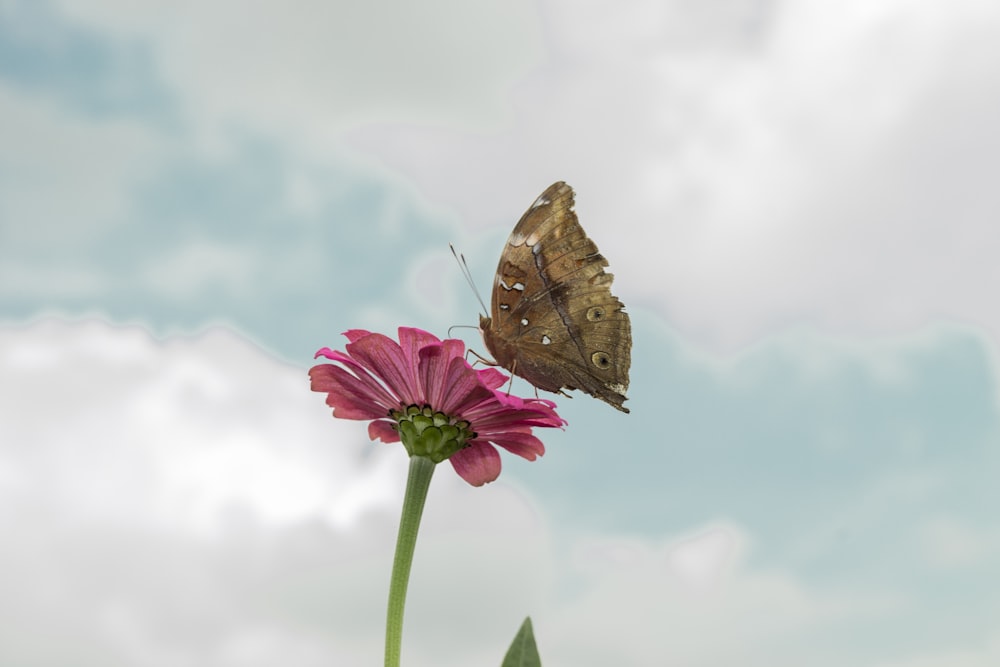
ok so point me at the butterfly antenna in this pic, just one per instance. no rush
(460, 326)
(468, 276)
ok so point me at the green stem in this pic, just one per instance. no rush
(419, 480)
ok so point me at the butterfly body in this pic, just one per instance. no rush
(553, 319)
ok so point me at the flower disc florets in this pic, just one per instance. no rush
(432, 434)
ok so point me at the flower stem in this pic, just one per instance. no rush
(419, 480)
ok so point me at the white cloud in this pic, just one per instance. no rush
(186, 430)
(781, 163)
(986, 655)
(700, 560)
(742, 165)
(697, 562)
(190, 502)
(692, 600)
(952, 542)
(307, 74)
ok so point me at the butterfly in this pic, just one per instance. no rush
(553, 319)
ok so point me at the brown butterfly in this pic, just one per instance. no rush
(554, 320)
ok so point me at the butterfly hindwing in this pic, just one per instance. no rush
(553, 318)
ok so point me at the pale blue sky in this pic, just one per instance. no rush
(797, 202)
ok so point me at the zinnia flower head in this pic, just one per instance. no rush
(422, 391)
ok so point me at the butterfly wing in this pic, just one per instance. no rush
(554, 321)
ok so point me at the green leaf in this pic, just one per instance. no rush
(522, 651)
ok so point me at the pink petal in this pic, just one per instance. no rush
(374, 387)
(524, 445)
(455, 348)
(429, 356)
(492, 377)
(536, 411)
(431, 366)
(412, 340)
(348, 396)
(510, 409)
(355, 377)
(355, 334)
(449, 381)
(512, 401)
(382, 430)
(383, 357)
(493, 417)
(465, 391)
(477, 464)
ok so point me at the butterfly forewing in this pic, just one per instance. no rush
(553, 320)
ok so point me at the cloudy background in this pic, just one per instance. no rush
(799, 202)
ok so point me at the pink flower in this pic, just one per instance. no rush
(379, 379)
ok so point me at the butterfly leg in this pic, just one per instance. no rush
(513, 371)
(480, 359)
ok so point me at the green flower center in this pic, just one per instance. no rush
(430, 434)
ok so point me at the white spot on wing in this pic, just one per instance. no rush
(516, 286)
(541, 201)
(524, 321)
(546, 340)
(617, 388)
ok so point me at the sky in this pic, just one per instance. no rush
(798, 202)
